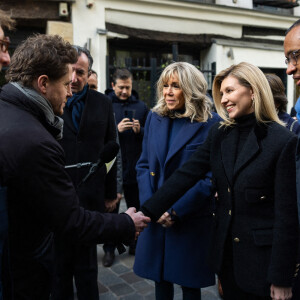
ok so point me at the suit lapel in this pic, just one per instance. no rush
(161, 127)
(186, 132)
(228, 152)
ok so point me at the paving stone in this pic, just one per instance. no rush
(121, 289)
(131, 297)
(120, 268)
(108, 278)
(131, 277)
(150, 297)
(108, 296)
(143, 287)
(102, 289)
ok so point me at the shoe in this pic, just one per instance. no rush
(108, 259)
(131, 250)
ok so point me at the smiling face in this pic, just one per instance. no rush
(57, 92)
(291, 44)
(173, 94)
(236, 98)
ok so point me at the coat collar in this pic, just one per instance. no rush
(186, 133)
(251, 148)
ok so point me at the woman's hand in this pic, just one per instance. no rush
(165, 220)
(280, 292)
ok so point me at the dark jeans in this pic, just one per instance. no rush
(80, 262)
(164, 290)
(131, 195)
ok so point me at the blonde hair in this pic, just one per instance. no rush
(252, 77)
(194, 87)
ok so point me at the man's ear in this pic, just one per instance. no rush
(113, 85)
(42, 84)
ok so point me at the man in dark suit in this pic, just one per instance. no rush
(88, 125)
(292, 52)
(5, 22)
(41, 199)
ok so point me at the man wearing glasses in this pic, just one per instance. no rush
(292, 54)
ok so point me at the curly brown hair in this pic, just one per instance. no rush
(41, 55)
(6, 22)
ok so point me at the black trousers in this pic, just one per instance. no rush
(164, 290)
(80, 262)
(131, 195)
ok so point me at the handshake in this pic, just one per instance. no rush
(139, 219)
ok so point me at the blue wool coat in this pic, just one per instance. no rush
(176, 254)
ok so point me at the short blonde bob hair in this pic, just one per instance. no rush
(194, 87)
(252, 77)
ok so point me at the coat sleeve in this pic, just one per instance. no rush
(142, 167)
(285, 233)
(180, 181)
(52, 198)
(111, 177)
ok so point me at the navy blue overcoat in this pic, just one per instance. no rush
(176, 254)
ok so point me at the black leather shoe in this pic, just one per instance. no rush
(108, 259)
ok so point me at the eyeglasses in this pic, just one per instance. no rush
(4, 44)
(292, 58)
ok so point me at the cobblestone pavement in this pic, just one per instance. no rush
(120, 283)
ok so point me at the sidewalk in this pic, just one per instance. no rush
(120, 283)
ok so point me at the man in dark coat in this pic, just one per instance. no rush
(131, 115)
(292, 51)
(88, 125)
(40, 195)
(5, 22)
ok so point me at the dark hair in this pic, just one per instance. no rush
(94, 72)
(41, 55)
(278, 91)
(87, 53)
(122, 74)
(296, 24)
(6, 21)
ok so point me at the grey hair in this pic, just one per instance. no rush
(194, 87)
(87, 53)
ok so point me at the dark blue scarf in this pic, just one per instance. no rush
(76, 105)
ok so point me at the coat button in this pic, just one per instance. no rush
(229, 212)
(152, 173)
(228, 190)
(263, 198)
(237, 240)
(214, 214)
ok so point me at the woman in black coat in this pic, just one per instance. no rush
(252, 159)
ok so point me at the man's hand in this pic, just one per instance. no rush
(165, 220)
(125, 124)
(140, 221)
(280, 292)
(110, 205)
(136, 126)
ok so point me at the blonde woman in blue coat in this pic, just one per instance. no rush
(178, 124)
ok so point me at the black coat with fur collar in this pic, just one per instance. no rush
(256, 207)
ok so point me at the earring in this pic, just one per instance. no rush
(252, 99)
